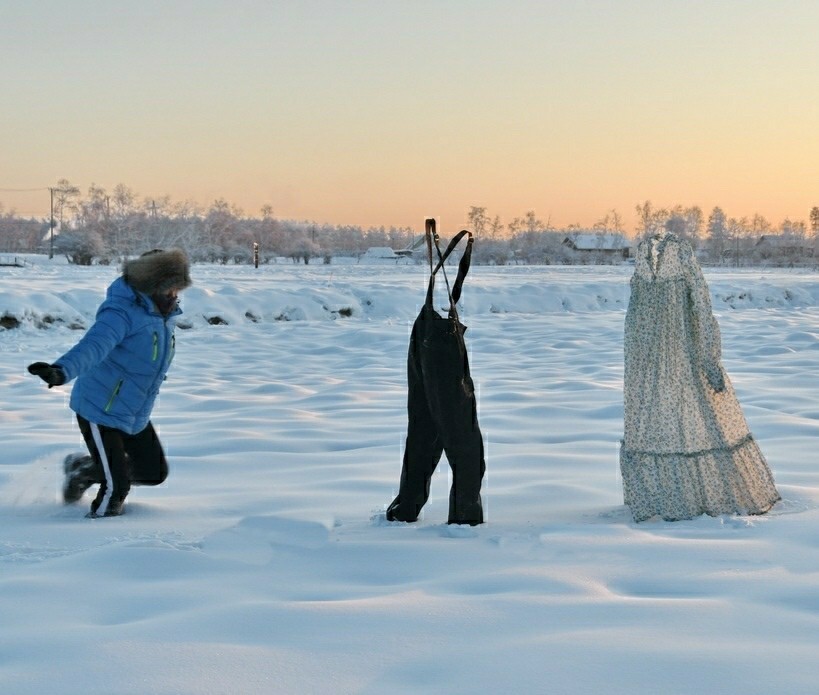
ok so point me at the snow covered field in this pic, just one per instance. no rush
(264, 565)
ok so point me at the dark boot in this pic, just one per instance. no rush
(115, 508)
(81, 472)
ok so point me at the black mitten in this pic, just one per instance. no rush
(51, 374)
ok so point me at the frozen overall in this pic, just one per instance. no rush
(441, 404)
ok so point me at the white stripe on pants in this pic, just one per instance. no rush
(106, 468)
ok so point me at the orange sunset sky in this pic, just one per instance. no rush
(381, 112)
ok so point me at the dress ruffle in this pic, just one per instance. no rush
(681, 486)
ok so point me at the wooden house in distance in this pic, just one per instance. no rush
(602, 245)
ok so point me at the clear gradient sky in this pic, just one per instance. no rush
(374, 112)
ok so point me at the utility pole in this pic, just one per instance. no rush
(51, 228)
(736, 253)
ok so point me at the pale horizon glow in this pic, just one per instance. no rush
(381, 113)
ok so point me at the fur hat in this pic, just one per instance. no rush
(158, 271)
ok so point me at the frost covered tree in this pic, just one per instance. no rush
(87, 239)
(124, 216)
(66, 196)
(400, 236)
(758, 227)
(676, 225)
(80, 246)
(612, 221)
(527, 246)
(693, 223)
(301, 247)
(219, 225)
(491, 249)
(19, 235)
(533, 224)
(793, 245)
(650, 220)
(478, 221)
(270, 235)
(738, 241)
(814, 233)
(495, 228)
(717, 231)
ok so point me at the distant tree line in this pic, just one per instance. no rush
(718, 239)
(723, 240)
(107, 226)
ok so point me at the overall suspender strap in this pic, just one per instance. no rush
(463, 268)
(453, 293)
(429, 233)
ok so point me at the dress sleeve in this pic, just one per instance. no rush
(706, 329)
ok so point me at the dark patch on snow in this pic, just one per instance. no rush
(217, 321)
(47, 321)
(7, 321)
(345, 312)
(250, 316)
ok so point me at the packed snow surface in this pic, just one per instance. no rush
(264, 564)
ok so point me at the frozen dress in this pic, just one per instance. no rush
(686, 449)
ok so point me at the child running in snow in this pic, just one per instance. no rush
(119, 365)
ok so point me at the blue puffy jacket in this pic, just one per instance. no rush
(122, 360)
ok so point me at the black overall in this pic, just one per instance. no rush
(441, 405)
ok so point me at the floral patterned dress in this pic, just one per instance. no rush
(687, 449)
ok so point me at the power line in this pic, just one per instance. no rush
(21, 190)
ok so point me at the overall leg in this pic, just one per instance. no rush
(422, 452)
(468, 468)
(146, 458)
(454, 409)
(423, 446)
